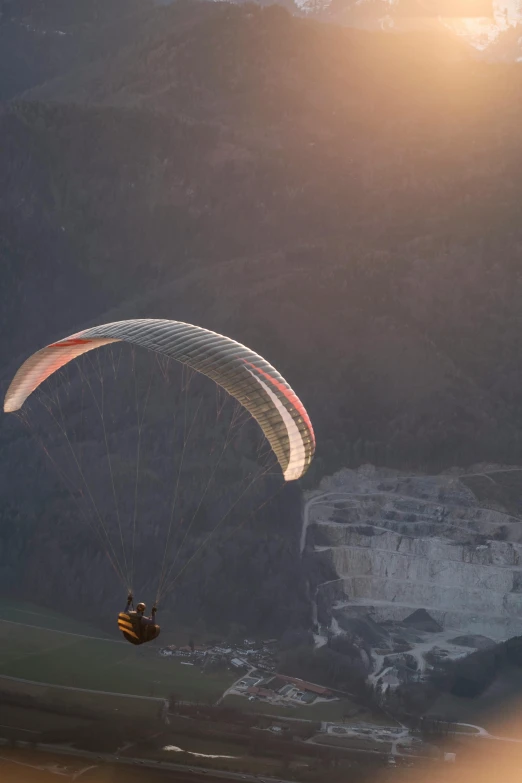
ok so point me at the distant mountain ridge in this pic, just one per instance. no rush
(41, 40)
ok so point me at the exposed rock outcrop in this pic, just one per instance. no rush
(418, 556)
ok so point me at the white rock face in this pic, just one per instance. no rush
(399, 543)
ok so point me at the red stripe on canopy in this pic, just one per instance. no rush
(292, 398)
(70, 342)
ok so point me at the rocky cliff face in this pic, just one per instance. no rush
(396, 545)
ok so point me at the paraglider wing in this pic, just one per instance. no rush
(245, 375)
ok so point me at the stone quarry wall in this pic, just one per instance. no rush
(402, 543)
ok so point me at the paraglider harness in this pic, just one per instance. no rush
(133, 629)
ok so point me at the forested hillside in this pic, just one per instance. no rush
(344, 203)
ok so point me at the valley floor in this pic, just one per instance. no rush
(44, 647)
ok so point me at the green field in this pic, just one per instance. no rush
(30, 614)
(30, 721)
(331, 711)
(52, 654)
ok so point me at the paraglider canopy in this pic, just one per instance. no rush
(244, 374)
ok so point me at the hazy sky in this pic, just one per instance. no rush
(506, 13)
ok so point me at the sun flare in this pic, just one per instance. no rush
(479, 31)
(482, 31)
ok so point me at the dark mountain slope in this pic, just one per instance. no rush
(347, 209)
(42, 40)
